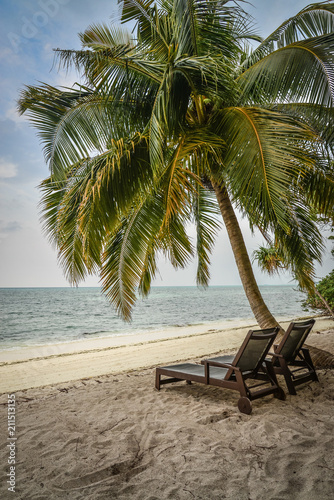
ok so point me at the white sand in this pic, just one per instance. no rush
(115, 437)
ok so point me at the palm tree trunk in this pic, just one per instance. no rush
(321, 358)
(261, 312)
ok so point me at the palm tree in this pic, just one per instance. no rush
(181, 120)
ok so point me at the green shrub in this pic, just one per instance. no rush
(326, 288)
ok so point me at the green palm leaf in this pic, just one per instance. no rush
(314, 20)
(266, 151)
(206, 213)
(302, 72)
(129, 256)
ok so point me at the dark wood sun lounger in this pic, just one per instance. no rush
(291, 359)
(234, 372)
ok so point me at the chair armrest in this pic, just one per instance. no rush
(222, 365)
(228, 366)
(275, 355)
(275, 347)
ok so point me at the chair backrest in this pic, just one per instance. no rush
(254, 349)
(294, 339)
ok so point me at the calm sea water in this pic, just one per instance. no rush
(37, 316)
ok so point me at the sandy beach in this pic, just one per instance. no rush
(89, 424)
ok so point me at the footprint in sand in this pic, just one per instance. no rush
(212, 419)
(128, 467)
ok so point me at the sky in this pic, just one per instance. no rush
(29, 30)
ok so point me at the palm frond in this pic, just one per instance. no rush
(320, 118)
(301, 72)
(175, 242)
(269, 260)
(266, 152)
(73, 124)
(149, 268)
(318, 190)
(80, 211)
(206, 212)
(129, 256)
(51, 111)
(314, 20)
(302, 247)
(60, 213)
(153, 26)
(106, 37)
(115, 64)
(182, 176)
(124, 258)
(218, 27)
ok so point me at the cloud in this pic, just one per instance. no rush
(13, 115)
(6, 55)
(9, 227)
(7, 169)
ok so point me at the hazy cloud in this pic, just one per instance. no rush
(9, 227)
(13, 115)
(6, 54)
(7, 169)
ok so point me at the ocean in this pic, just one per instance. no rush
(41, 316)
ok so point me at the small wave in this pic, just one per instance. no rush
(94, 333)
(184, 325)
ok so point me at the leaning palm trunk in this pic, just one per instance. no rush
(261, 312)
(321, 358)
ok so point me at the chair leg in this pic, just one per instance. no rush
(280, 394)
(288, 379)
(310, 363)
(270, 372)
(290, 384)
(244, 392)
(245, 405)
(157, 380)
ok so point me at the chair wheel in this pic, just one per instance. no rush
(245, 406)
(280, 394)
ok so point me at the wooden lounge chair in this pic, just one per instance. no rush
(291, 359)
(233, 373)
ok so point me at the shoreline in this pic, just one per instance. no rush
(63, 363)
(118, 340)
(38, 351)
